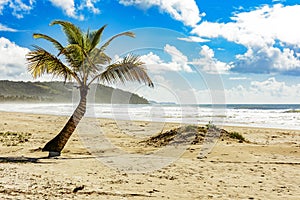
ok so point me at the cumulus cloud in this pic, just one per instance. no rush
(18, 7)
(68, 6)
(179, 62)
(268, 91)
(268, 33)
(90, 5)
(12, 59)
(258, 27)
(185, 11)
(209, 63)
(268, 60)
(73, 10)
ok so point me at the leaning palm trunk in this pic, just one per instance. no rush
(56, 145)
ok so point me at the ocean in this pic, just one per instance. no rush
(285, 116)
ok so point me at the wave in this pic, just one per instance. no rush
(280, 116)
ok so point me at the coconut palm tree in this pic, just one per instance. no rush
(81, 60)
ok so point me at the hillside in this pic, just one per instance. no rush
(11, 91)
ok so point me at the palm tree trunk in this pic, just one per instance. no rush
(56, 145)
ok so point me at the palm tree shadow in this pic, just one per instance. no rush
(40, 160)
(23, 159)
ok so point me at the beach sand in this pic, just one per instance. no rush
(266, 167)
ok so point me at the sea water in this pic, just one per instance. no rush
(286, 116)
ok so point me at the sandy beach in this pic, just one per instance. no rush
(265, 167)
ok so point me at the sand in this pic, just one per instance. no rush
(265, 167)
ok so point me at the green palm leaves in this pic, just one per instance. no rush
(81, 60)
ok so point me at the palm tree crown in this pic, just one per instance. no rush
(84, 61)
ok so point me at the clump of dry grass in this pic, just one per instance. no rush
(10, 138)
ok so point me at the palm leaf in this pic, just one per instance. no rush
(50, 39)
(95, 37)
(128, 69)
(73, 33)
(99, 58)
(129, 34)
(42, 62)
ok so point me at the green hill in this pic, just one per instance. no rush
(11, 91)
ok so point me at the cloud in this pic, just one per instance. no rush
(5, 28)
(179, 62)
(268, 60)
(73, 11)
(193, 39)
(268, 33)
(90, 5)
(238, 78)
(256, 28)
(268, 91)
(17, 6)
(68, 6)
(209, 63)
(185, 11)
(12, 59)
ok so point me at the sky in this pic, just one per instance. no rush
(194, 51)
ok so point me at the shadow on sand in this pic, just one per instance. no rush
(40, 160)
(21, 159)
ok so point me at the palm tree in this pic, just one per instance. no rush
(83, 62)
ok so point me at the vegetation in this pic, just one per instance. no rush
(192, 134)
(84, 63)
(60, 92)
(237, 136)
(13, 138)
(292, 111)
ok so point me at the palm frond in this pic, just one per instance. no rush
(42, 62)
(57, 45)
(129, 34)
(128, 69)
(73, 33)
(95, 37)
(99, 57)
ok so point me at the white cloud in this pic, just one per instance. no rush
(268, 60)
(193, 39)
(179, 62)
(268, 91)
(5, 28)
(259, 31)
(12, 59)
(185, 11)
(209, 63)
(73, 10)
(238, 78)
(18, 7)
(68, 6)
(258, 27)
(90, 5)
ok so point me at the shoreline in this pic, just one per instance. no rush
(266, 167)
(231, 126)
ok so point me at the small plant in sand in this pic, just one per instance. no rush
(237, 136)
(13, 138)
(211, 126)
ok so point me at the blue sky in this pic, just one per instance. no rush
(195, 51)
